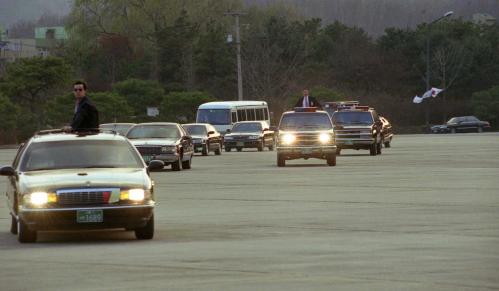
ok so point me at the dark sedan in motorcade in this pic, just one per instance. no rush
(63, 181)
(461, 124)
(205, 138)
(249, 134)
(167, 142)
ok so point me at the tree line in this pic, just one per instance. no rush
(174, 55)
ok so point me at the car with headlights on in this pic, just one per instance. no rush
(118, 127)
(205, 138)
(164, 141)
(249, 134)
(305, 133)
(66, 181)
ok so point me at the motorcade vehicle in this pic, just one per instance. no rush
(205, 138)
(164, 141)
(68, 181)
(386, 131)
(222, 115)
(356, 127)
(305, 133)
(249, 134)
(461, 124)
(118, 127)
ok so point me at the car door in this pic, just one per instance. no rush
(13, 183)
(186, 142)
(214, 138)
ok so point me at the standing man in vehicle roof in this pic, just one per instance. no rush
(308, 101)
(86, 115)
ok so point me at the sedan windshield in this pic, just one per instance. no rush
(154, 131)
(196, 129)
(247, 127)
(312, 121)
(352, 118)
(80, 154)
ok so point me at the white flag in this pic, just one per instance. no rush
(433, 92)
(417, 99)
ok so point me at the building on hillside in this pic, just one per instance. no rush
(484, 19)
(48, 38)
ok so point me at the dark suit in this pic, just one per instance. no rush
(86, 116)
(311, 100)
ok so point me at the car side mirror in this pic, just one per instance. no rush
(155, 165)
(211, 132)
(228, 131)
(186, 137)
(7, 171)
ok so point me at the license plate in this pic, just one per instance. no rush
(239, 144)
(199, 148)
(89, 216)
(306, 151)
(349, 142)
(147, 158)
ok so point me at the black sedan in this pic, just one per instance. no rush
(461, 124)
(205, 138)
(249, 134)
(386, 132)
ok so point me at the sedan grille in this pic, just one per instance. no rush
(84, 196)
(148, 150)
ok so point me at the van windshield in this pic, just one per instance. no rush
(214, 116)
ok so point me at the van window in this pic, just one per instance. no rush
(241, 115)
(234, 117)
(259, 114)
(250, 113)
(266, 112)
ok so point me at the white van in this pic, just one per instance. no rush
(222, 115)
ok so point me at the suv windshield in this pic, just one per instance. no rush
(352, 117)
(312, 121)
(154, 131)
(214, 116)
(196, 129)
(247, 127)
(80, 154)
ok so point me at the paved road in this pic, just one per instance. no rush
(424, 215)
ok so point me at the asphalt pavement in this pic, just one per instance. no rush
(424, 215)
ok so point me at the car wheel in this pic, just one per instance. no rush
(331, 160)
(227, 149)
(480, 129)
(13, 225)
(24, 234)
(338, 151)
(378, 148)
(239, 149)
(205, 150)
(218, 151)
(176, 166)
(281, 161)
(187, 164)
(387, 144)
(372, 149)
(261, 145)
(271, 147)
(146, 232)
(453, 130)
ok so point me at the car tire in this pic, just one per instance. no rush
(227, 149)
(387, 144)
(372, 149)
(24, 234)
(281, 161)
(261, 145)
(338, 151)
(331, 160)
(146, 232)
(239, 149)
(206, 149)
(177, 165)
(187, 164)
(271, 147)
(378, 148)
(13, 225)
(218, 151)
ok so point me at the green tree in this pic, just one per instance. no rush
(140, 94)
(485, 105)
(60, 110)
(8, 120)
(182, 106)
(112, 107)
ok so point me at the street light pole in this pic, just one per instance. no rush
(238, 48)
(428, 34)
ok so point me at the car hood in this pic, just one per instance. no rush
(51, 180)
(356, 126)
(157, 141)
(243, 133)
(439, 126)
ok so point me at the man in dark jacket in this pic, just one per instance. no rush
(86, 116)
(307, 101)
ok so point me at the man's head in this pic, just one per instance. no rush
(305, 92)
(79, 89)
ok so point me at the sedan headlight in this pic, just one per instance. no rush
(324, 138)
(136, 195)
(40, 198)
(288, 138)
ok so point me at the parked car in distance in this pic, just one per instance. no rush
(249, 134)
(118, 127)
(461, 124)
(67, 181)
(167, 142)
(386, 132)
(205, 138)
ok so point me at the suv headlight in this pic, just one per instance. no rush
(324, 138)
(288, 138)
